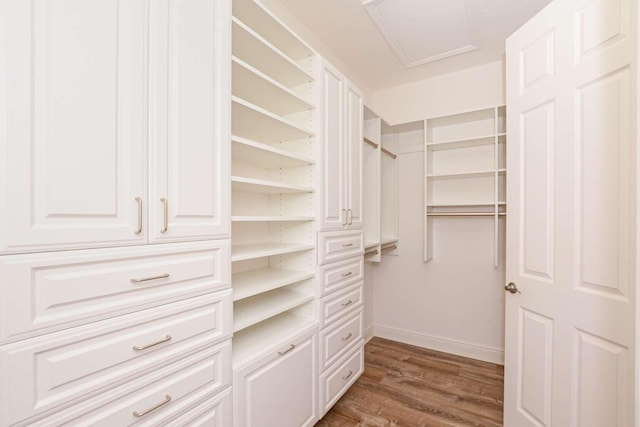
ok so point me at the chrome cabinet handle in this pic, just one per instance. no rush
(146, 279)
(166, 215)
(153, 344)
(282, 353)
(346, 245)
(344, 304)
(166, 400)
(347, 337)
(347, 274)
(346, 377)
(139, 201)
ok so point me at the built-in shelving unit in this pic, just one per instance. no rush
(273, 181)
(465, 170)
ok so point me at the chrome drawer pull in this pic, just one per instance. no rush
(146, 279)
(346, 245)
(166, 400)
(344, 304)
(347, 337)
(346, 377)
(347, 274)
(282, 353)
(144, 347)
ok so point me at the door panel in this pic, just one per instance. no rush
(189, 131)
(571, 230)
(354, 146)
(72, 123)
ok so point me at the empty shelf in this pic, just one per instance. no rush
(464, 142)
(261, 250)
(463, 205)
(368, 245)
(258, 218)
(388, 241)
(489, 172)
(252, 122)
(250, 311)
(254, 282)
(251, 185)
(264, 156)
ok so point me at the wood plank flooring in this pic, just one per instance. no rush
(403, 385)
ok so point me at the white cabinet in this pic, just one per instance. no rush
(75, 127)
(279, 389)
(342, 106)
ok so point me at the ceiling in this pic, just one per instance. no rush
(391, 42)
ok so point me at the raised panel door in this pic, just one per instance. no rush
(72, 124)
(354, 146)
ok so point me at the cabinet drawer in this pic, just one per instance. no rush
(41, 293)
(335, 382)
(336, 305)
(336, 340)
(338, 275)
(338, 245)
(58, 368)
(196, 386)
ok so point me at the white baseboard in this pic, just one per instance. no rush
(460, 348)
(368, 333)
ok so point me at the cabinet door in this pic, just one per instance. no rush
(281, 390)
(72, 123)
(354, 146)
(189, 120)
(334, 191)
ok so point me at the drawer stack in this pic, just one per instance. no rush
(341, 341)
(116, 336)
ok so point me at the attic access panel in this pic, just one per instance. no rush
(421, 31)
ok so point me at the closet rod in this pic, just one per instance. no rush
(390, 248)
(371, 143)
(389, 153)
(465, 213)
(373, 252)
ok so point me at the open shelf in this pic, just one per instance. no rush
(254, 49)
(388, 240)
(260, 89)
(464, 142)
(258, 218)
(264, 335)
(464, 174)
(369, 245)
(255, 123)
(252, 185)
(249, 311)
(261, 250)
(255, 282)
(463, 205)
(264, 156)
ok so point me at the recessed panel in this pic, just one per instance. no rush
(601, 23)
(537, 195)
(537, 62)
(601, 382)
(536, 362)
(603, 123)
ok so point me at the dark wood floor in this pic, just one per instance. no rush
(403, 385)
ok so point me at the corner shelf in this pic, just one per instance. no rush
(255, 282)
(255, 309)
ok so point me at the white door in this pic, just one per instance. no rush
(334, 190)
(571, 227)
(354, 128)
(189, 120)
(72, 123)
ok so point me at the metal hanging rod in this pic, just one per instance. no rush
(465, 213)
(370, 142)
(389, 153)
(373, 252)
(390, 248)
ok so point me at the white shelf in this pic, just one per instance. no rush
(464, 142)
(271, 28)
(253, 48)
(463, 205)
(258, 308)
(489, 172)
(255, 123)
(254, 282)
(369, 245)
(261, 250)
(264, 156)
(260, 89)
(265, 335)
(258, 218)
(252, 185)
(388, 240)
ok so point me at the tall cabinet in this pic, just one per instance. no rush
(114, 132)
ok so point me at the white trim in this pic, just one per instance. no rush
(447, 345)
(368, 333)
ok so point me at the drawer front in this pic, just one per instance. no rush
(42, 293)
(335, 382)
(337, 305)
(61, 367)
(339, 275)
(338, 245)
(338, 339)
(189, 390)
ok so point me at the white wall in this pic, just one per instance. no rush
(455, 302)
